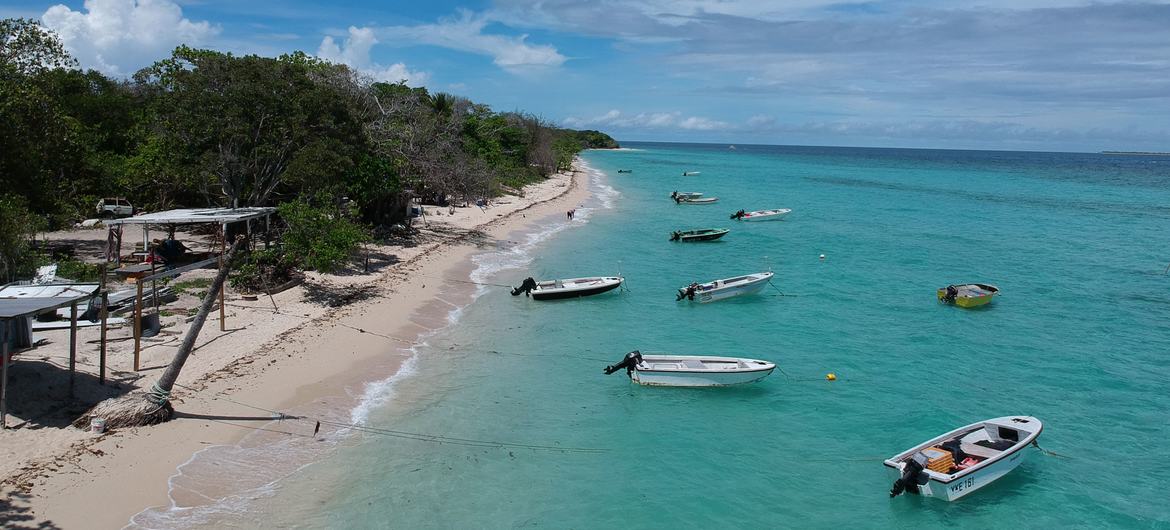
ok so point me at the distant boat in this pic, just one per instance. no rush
(959, 462)
(968, 295)
(685, 195)
(732, 147)
(762, 215)
(727, 288)
(691, 371)
(570, 288)
(690, 173)
(707, 200)
(701, 234)
(625, 171)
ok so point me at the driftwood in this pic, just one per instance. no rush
(154, 406)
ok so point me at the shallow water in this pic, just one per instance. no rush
(1076, 243)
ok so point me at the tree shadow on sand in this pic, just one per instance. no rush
(16, 513)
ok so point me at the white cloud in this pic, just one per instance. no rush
(118, 37)
(648, 120)
(465, 33)
(355, 53)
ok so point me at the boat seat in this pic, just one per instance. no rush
(979, 450)
(695, 365)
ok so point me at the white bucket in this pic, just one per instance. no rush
(97, 425)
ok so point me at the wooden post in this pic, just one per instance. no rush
(102, 347)
(4, 377)
(137, 324)
(72, 344)
(222, 249)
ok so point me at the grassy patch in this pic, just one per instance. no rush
(195, 286)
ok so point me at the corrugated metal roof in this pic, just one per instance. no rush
(196, 215)
(27, 300)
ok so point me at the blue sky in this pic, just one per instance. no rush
(1067, 75)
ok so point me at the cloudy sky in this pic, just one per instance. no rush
(994, 74)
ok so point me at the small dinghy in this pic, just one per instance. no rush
(968, 295)
(691, 371)
(685, 195)
(570, 288)
(707, 200)
(690, 173)
(761, 215)
(961, 461)
(701, 234)
(720, 289)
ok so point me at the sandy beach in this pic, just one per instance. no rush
(297, 356)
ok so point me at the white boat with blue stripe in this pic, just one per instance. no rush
(964, 460)
(726, 288)
(691, 371)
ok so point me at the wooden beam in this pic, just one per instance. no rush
(137, 325)
(102, 348)
(222, 249)
(179, 270)
(4, 378)
(72, 344)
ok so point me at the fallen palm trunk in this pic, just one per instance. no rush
(154, 406)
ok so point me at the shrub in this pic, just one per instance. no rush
(17, 228)
(261, 270)
(317, 238)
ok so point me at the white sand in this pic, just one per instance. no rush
(74, 479)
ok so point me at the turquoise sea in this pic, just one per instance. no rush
(1080, 338)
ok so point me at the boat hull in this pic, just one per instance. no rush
(710, 200)
(966, 485)
(730, 292)
(709, 236)
(693, 379)
(959, 483)
(773, 216)
(562, 294)
(965, 300)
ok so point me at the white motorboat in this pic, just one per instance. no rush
(685, 195)
(727, 288)
(762, 215)
(701, 200)
(959, 462)
(570, 288)
(692, 371)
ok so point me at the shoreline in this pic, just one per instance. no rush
(316, 364)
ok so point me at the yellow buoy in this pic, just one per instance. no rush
(831, 376)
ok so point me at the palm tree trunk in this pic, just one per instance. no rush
(167, 381)
(154, 406)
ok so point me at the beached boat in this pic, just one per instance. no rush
(968, 295)
(691, 371)
(570, 288)
(685, 195)
(701, 234)
(959, 462)
(727, 288)
(761, 215)
(706, 200)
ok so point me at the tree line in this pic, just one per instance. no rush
(206, 128)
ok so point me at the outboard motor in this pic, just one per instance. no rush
(687, 292)
(738, 215)
(629, 362)
(674, 236)
(912, 477)
(528, 285)
(952, 292)
(677, 199)
(674, 194)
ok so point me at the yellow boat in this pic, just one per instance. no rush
(968, 295)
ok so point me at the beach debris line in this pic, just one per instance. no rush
(154, 406)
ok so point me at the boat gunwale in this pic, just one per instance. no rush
(945, 478)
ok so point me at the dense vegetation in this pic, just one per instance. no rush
(204, 128)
